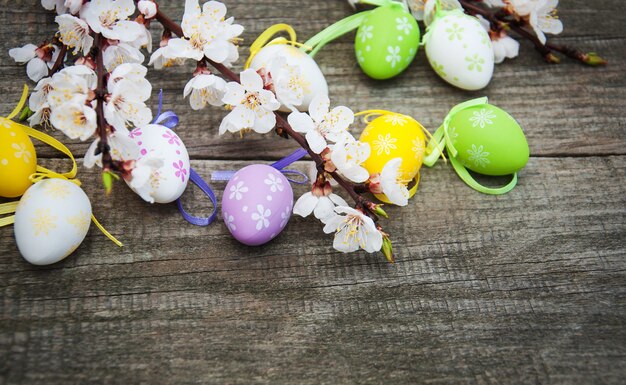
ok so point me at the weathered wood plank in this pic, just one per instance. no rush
(564, 109)
(523, 288)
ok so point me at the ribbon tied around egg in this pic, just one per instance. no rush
(386, 41)
(53, 214)
(483, 138)
(162, 126)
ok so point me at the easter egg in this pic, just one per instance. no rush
(459, 50)
(394, 136)
(17, 160)
(257, 204)
(51, 221)
(387, 41)
(488, 140)
(298, 70)
(168, 182)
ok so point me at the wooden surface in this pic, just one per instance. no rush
(524, 288)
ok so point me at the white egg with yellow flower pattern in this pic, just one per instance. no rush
(51, 221)
(395, 136)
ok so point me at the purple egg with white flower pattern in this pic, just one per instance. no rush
(168, 182)
(257, 204)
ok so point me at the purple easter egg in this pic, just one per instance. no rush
(257, 204)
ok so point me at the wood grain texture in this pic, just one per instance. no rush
(525, 288)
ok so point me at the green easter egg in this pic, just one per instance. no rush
(488, 140)
(387, 41)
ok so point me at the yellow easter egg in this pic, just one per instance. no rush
(17, 159)
(395, 136)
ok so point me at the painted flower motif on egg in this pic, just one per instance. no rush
(489, 141)
(459, 50)
(293, 72)
(257, 204)
(17, 160)
(169, 181)
(387, 41)
(51, 221)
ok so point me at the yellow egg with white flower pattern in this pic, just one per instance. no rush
(17, 159)
(392, 136)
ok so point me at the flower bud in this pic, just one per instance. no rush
(387, 248)
(147, 8)
(593, 59)
(377, 209)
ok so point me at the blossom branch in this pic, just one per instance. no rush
(282, 123)
(499, 19)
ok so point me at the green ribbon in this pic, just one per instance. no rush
(343, 26)
(466, 177)
(441, 140)
(439, 14)
(334, 31)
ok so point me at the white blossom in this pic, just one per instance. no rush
(353, 230)
(36, 67)
(143, 172)
(73, 6)
(70, 85)
(147, 8)
(288, 82)
(122, 148)
(348, 155)
(543, 19)
(74, 33)
(110, 18)
(38, 103)
(126, 105)
(50, 5)
(205, 89)
(425, 9)
(392, 184)
(252, 105)
(134, 74)
(75, 120)
(321, 125)
(503, 45)
(206, 33)
(121, 53)
(320, 205)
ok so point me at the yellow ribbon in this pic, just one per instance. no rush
(42, 172)
(368, 114)
(265, 39)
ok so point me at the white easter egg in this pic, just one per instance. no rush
(169, 181)
(51, 221)
(309, 76)
(459, 50)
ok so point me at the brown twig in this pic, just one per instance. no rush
(103, 146)
(59, 62)
(498, 19)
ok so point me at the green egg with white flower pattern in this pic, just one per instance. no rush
(387, 41)
(488, 140)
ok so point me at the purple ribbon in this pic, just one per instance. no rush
(199, 221)
(169, 119)
(224, 176)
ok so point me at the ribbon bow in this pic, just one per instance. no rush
(42, 172)
(434, 150)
